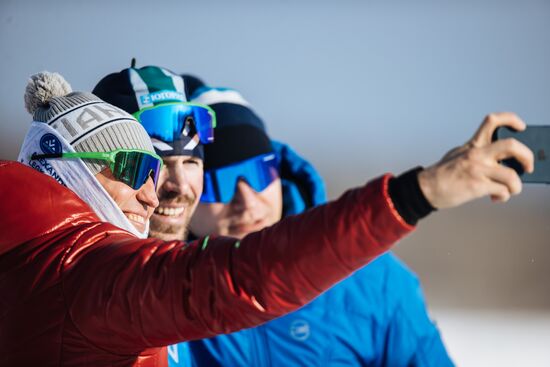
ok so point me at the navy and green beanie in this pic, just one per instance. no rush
(134, 89)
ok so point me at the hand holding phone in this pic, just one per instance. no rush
(472, 170)
(536, 138)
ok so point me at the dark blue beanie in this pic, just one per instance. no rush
(240, 133)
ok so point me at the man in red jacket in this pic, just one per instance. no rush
(78, 291)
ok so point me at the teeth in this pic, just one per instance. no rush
(171, 212)
(136, 218)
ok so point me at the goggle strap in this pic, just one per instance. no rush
(46, 156)
(83, 155)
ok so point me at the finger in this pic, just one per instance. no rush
(498, 192)
(512, 148)
(505, 176)
(498, 199)
(484, 134)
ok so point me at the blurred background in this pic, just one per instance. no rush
(360, 88)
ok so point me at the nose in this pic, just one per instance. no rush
(246, 198)
(147, 194)
(175, 181)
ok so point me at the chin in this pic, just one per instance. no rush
(141, 228)
(164, 236)
(241, 232)
(167, 232)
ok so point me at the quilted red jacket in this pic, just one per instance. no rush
(79, 292)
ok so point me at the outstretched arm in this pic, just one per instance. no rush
(147, 293)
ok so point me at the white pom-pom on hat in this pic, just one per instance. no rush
(42, 87)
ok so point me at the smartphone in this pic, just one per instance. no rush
(536, 138)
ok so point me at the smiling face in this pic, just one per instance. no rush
(248, 211)
(179, 189)
(137, 205)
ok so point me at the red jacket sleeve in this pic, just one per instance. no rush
(124, 293)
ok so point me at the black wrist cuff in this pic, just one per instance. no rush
(407, 197)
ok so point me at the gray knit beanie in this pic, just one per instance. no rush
(84, 120)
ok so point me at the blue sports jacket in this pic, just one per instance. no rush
(376, 317)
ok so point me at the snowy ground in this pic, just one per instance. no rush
(488, 338)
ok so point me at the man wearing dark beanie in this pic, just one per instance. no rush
(376, 317)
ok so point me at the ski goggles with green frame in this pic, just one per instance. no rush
(169, 121)
(130, 166)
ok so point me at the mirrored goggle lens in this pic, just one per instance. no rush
(135, 168)
(169, 122)
(220, 184)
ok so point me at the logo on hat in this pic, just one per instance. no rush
(50, 144)
(162, 96)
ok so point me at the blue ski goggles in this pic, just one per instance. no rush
(258, 172)
(168, 122)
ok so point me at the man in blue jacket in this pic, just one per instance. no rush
(376, 317)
